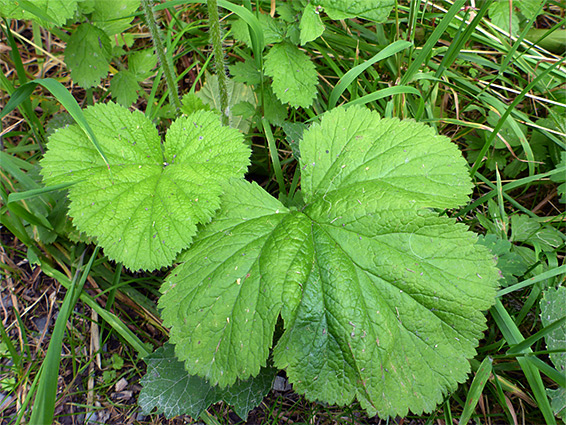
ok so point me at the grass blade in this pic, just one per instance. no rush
(44, 404)
(64, 97)
(353, 73)
(476, 389)
(513, 336)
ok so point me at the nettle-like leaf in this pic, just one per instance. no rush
(294, 75)
(381, 298)
(375, 10)
(87, 55)
(145, 208)
(168, 388)
(124, 87)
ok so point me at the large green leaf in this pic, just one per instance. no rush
(168, 388)
(294, 75)
(381, 298)
(144, 208)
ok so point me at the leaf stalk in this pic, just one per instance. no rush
(164, 59)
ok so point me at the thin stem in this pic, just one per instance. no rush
(164, 59)
(216, 40)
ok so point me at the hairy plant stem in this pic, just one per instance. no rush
(216, 40)
(164, 59)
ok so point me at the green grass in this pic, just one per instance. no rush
(500, 98)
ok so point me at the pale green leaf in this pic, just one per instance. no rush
(311, 25)
(499, 13)
(273, 30)
(87, 55)
(428, 171)
(530, 9)
(294, 75)
(124, 87)
(58, 10)
(375, 10)
(190, 103)
(237, 93)
(142, 63)
(168, 388)
(552, 308)
(145, 208)
(224, 331)
(381, 298)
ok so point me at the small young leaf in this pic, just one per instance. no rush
(273, 30)
(237, 93)
(245, 72)
(168, 387)
(369, 281)
(145, 208)
(190, 103)
(294, 75)
(87, 55)
(124, 87)
(142, 63)
(499, 15)
(376, 10)
(311, 25)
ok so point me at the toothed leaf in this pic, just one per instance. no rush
(145, 208)
(294, 75)
(381, 298)
(124, 87)
(87, 55)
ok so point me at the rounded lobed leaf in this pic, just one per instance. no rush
(144, 209)
(355, 149)
(381, 298)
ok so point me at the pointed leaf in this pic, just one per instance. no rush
(145, 208)
(294, 75)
